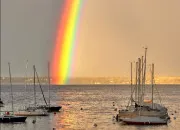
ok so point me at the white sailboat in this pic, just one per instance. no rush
(32, 111)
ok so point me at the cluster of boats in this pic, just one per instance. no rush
(140, 111)
(34, 110)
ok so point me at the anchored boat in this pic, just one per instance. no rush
(32, 110)
(47, 106)
(140, 111)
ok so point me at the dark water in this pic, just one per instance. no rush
(96, 101)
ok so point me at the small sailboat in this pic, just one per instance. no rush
(32, 111)
(49, 107)
(10, 117)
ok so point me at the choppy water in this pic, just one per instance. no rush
(96, 101)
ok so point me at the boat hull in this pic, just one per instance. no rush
(144, 123)
(30, 114)
(11, 119)
(144, 112)
(140, 120)
(51, 108)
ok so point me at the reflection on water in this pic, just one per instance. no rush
(84, 106)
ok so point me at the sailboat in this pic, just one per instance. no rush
(49, 107)
(33, 111)
(149, 113)
(143, 112)
(10, 117)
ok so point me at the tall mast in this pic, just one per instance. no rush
(26, 79)
(142, 79)
(49, 81)
(11, 86)
(136, 81)
(34, 85)
(131, 83)
(26, 76)
(144, 71)
(139, 79)
(152, 81)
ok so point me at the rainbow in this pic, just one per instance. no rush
(66, 41)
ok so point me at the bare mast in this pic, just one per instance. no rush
(11, 85)
(136, 80)
(131, 84)
(139, 79)
(144, 79)
(26, 76)
(26, 79)
(34, 85)
(152, 81)
(49, 81)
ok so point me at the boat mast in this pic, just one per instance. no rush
(49, 82)
(144, 79)
(26, 79)
(152, 84)
(131, 83)
(139, 80)
(34, 85)
(136, 81)
(26, 76)
(11, 85)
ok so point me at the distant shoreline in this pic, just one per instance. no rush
(95, 80)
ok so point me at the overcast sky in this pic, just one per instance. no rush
(112, 33)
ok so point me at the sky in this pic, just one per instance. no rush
(111, 35)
